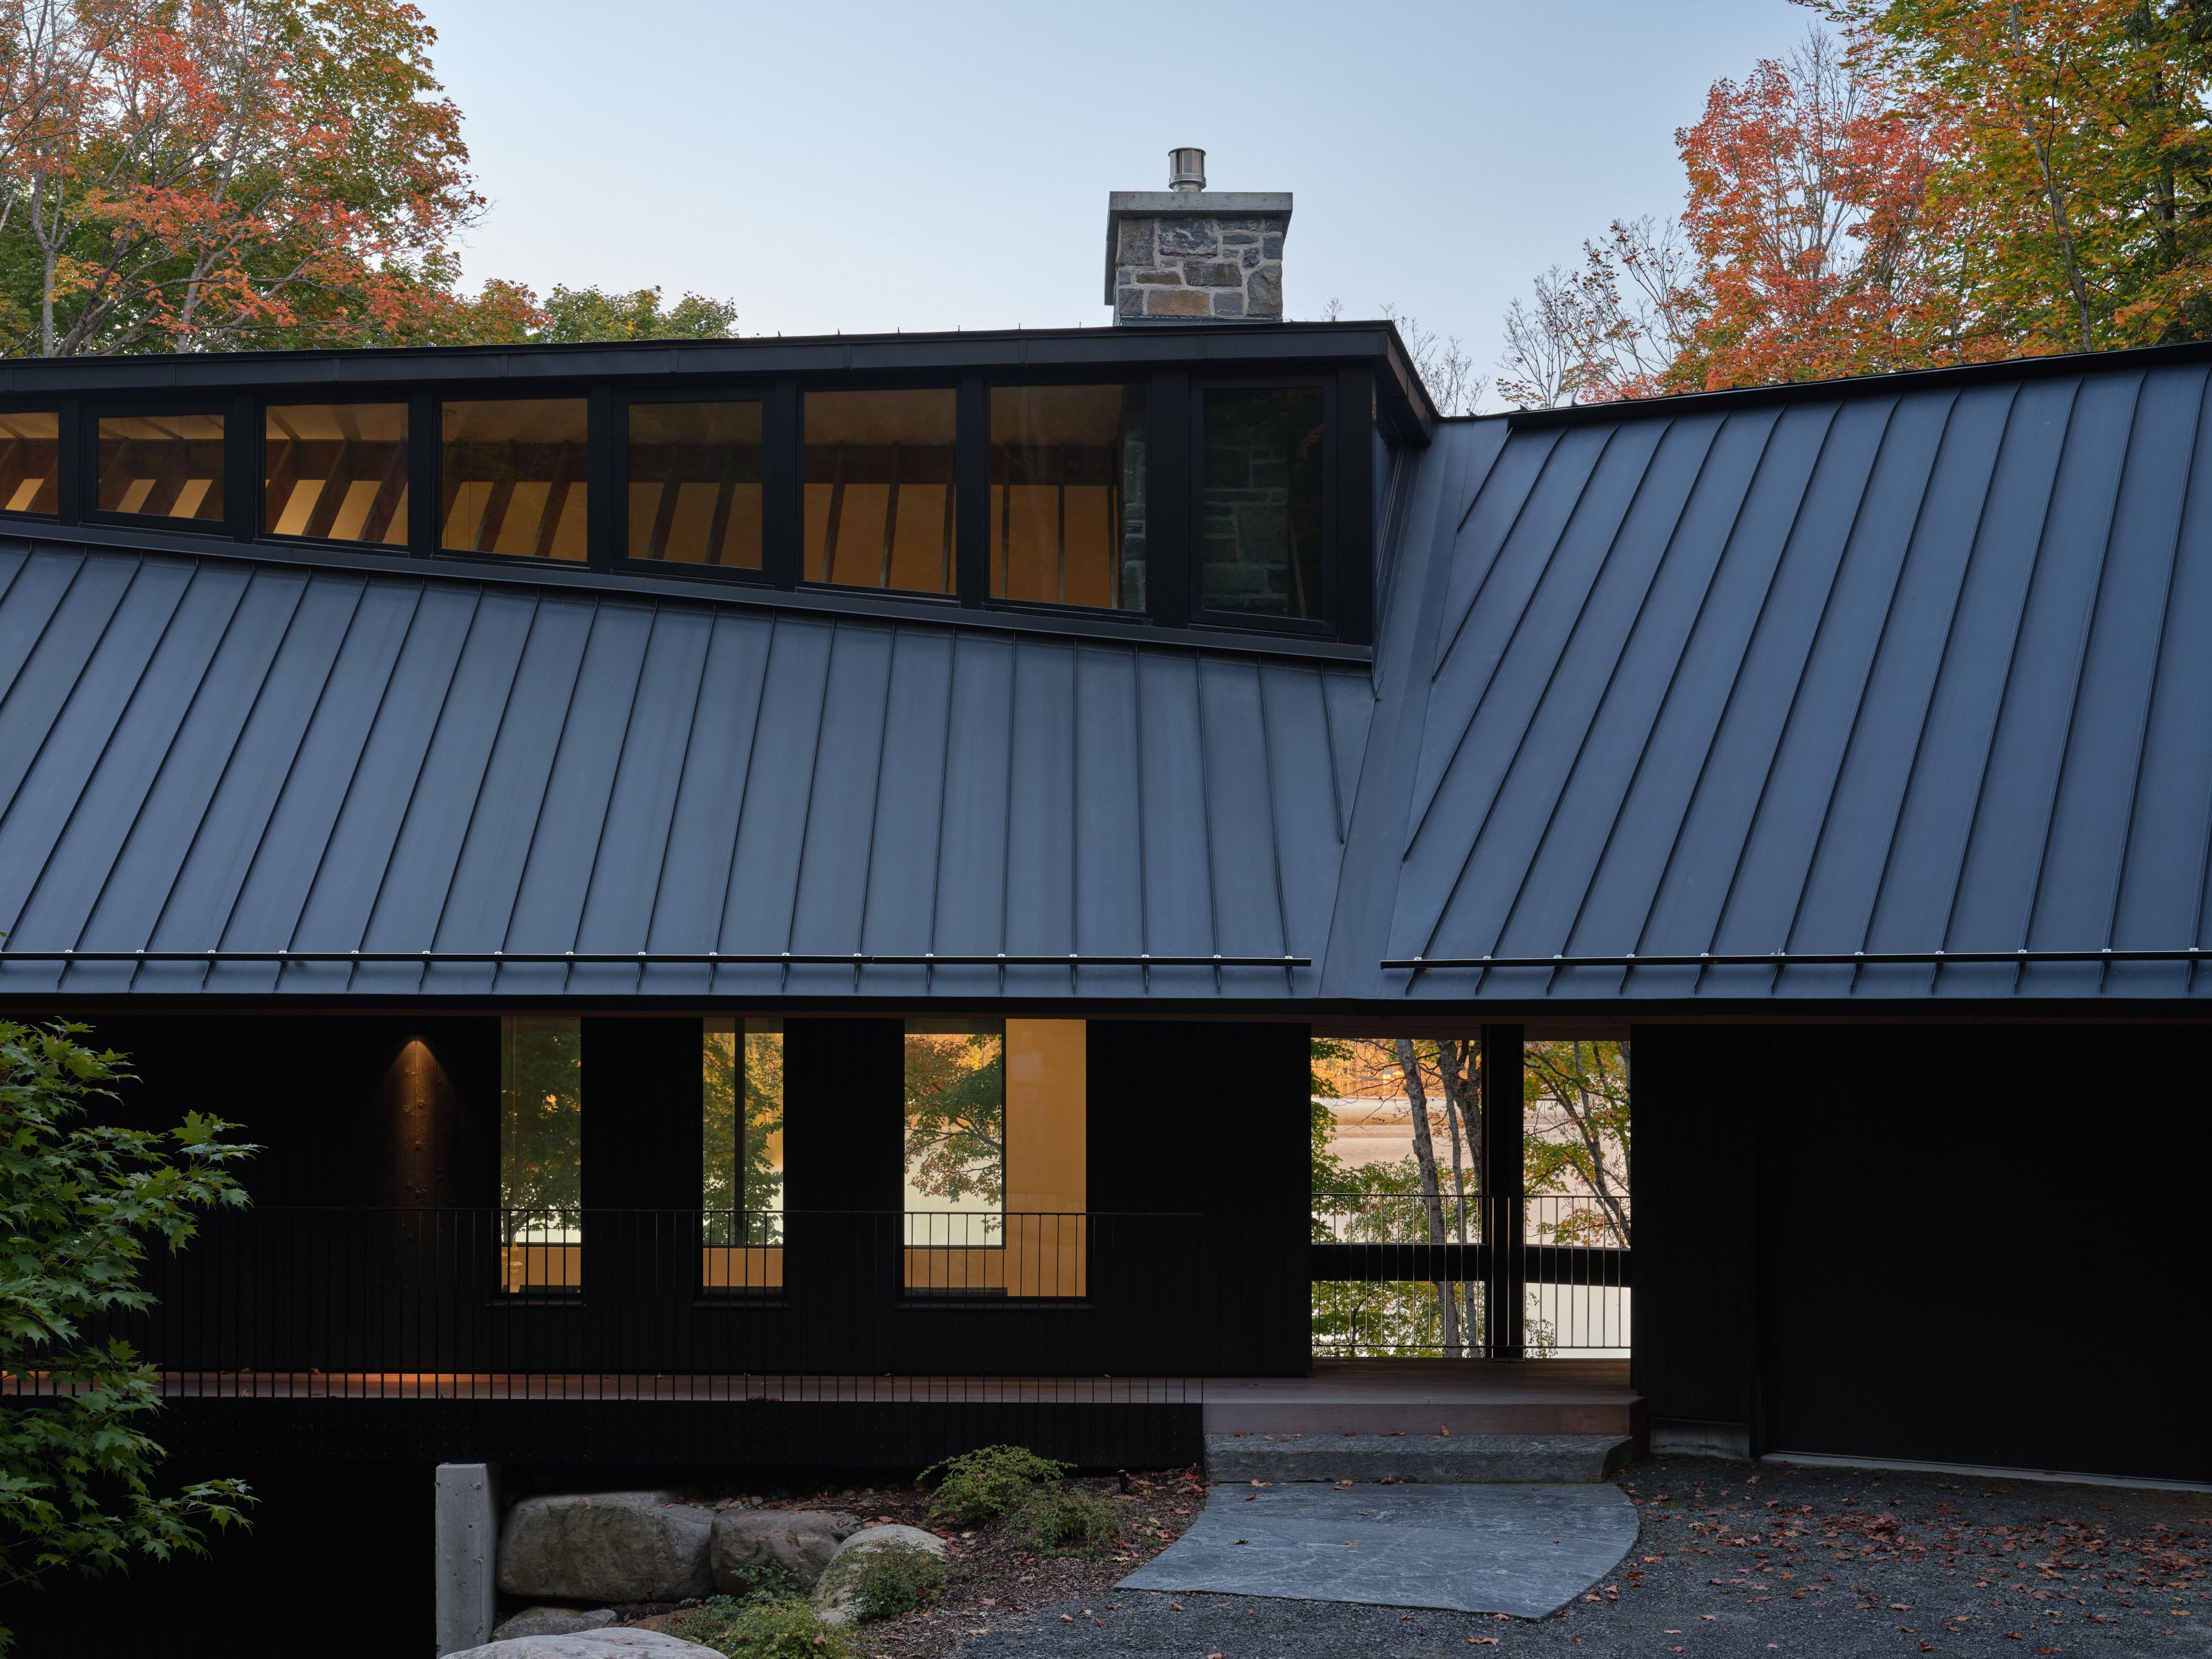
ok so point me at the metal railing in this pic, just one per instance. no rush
(673, 1304)
(1540, 1275)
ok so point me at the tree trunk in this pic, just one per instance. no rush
(1425, 1154)
(1452, 1057)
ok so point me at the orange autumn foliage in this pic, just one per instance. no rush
(208, 174)
(1810, 219)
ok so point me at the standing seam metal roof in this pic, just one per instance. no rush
(1912, 665)
(220, 754)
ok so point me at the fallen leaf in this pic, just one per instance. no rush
(1709, 1617)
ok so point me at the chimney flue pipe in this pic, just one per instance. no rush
(1186, 169)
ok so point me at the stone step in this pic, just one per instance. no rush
(1425, 1459)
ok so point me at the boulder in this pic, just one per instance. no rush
(834, 1602)
(803, 1540)
(607, 1546)
(553, 1621)
(615, 1644)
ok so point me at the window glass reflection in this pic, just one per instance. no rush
(741, 1154)
(1067, 494)
(514, 479)
(879, 496)
(995, 1158)
(541, 1153)
(695, 483)
(30, 453)
(337, 472)
(1260, 541)
(166, 466)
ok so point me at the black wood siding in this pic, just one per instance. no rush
(1966, 1244)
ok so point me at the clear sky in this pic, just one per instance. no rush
(873, 166)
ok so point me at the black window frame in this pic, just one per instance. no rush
(1079, 376)
(967, 392)
(263, 532)
(1327, 625)
(775, 440)
(1175, 436)
(426, 459)
(65, 412)
(241, 463)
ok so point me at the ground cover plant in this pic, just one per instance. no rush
(1063, 1520)
(887, 1580)
(988, 1483)
(764, 1625)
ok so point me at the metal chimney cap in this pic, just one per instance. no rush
(1186, 169)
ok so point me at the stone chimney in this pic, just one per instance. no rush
(1186, 255)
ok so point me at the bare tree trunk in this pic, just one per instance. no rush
(1425, 1154)
(1452, 1057)
(1578, 1110)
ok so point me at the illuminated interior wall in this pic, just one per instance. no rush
(1034, 1245)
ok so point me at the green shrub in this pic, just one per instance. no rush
(985, 1484)
(886, 1580)
(762, 1581)
(1065, 1521)
(763, 1626)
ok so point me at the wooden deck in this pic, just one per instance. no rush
(1428, 1396)
(1338, 1396)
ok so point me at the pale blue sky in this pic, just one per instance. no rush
(873, 167)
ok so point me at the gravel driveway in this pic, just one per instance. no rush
(1741, 1559)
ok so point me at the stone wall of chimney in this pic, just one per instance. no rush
(1195, 267)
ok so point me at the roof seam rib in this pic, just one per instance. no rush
(1789, 726)
(1750, 646)
(2088, 633)
(1572, 771)
(1682, 654)
(353, 779)
(1936, 678)
(1874, 662)
(1543, 694)
(238, 740)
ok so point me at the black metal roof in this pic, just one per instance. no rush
(1911, 667)
(1908, 667)
(227, 755)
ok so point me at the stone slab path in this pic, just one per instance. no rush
(1518, 1549)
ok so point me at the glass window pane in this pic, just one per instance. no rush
(337, 472)
(695, 483)
(1261, 540)
(30, 460)
(1067, 494)
(879, 489)
(166, 466)
(995, 1158)
(541, 1153)
(514, 479)
(741, 1149)
(956, 1153)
